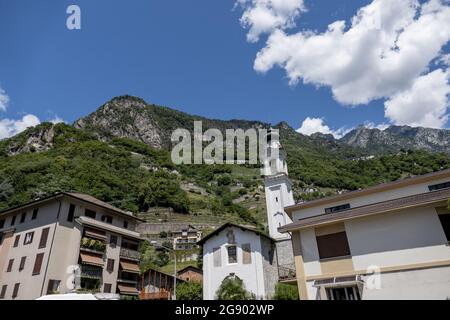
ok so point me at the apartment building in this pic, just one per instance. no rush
(67, 242)
(186, 238)
(390, 241)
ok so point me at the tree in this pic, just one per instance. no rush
(189, 291)
(286, 292)
(233, 288)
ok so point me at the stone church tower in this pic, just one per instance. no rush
(279, 194)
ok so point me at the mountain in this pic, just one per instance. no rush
(396, 138)
(121, 154)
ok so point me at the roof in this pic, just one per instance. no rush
(227, 225)
(377, 188)
(106, 226)
(371, 209)
(191, 268)
(79, 196)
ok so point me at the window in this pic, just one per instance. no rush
(439, 186)
(90, 213)
(2, 223)
(44, 237)
(53, 286)
(333, 245)
(38, 264)
(13, 221)
(3, 292)
(246, 254)
(16, 241)
(343, 293)
(22, 263)
(110, 265)
(232, 254)
(16, 290)
(125, 224)
(22, 217)
(71, 213)
(10, 265)
(217, 257)
(337, 208)
(107, 219)
(35, 213)
(445, 222)
(113, 241)
(28, 238)
(107, 288)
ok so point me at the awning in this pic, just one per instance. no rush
(96, 234)
(124, 289)
(91, 259)
(129, 266)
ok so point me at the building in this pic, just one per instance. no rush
(186, 238)
(259, 260)
(390, 241)
(191, 273)
(67, 242)
(234, 250)
(157, 285)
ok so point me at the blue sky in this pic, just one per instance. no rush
(189, 55)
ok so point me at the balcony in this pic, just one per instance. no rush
(91, 272)
(130, 254)
(92, 245)
(287, 273)
(164, 295)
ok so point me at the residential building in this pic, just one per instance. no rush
(389, 241)
(191, 273)
(186, 238)
(67, 242)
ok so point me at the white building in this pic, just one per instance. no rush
(400, 230)
(260, 261)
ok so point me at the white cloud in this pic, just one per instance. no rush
(264, 16)
(424, 104)
(381, 126)
(315, 125)
(56, 119)
(388, 46)
(10, 127)
(4, 100)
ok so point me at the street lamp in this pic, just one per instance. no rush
(174, 271)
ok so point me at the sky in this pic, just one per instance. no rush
(322, 66)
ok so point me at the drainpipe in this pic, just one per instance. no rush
(51, 248)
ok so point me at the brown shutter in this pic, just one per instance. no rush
(10, 265)
(3, 292)
(16, 240)
(16, 290)
(22, 263)
(38, 264)
(44, 237)
(246, 254)
(333, 245)
(110, 265)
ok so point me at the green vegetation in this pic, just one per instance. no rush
(93, 244)
(286, 292)
(233, 288)
(189, 291)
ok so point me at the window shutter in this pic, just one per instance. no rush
(38, 264)
(333, 245)
(22, 263)
(3, 292)
(44, 237)
(247, 254)
(16, 290)
(16, 240)
(217, 257)
(10, 265)
(110, 266)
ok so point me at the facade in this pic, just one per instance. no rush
(186, 239)
(389, 241)
(64, 243)
(234, 250)
(191, 273)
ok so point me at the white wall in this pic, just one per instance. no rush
(251, 274)
(278, 188)
(369, 199)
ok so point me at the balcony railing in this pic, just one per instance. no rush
(130, 254)
(155, 296)
(287, 272)
(91, 272)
